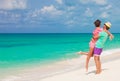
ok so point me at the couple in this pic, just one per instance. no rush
(96, 44)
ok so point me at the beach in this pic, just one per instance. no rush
(41, 40)
(110, 71)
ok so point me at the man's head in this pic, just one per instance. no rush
(97, 23)
(107, 25)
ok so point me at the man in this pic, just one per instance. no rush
(102, 37)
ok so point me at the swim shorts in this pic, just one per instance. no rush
(97, 51)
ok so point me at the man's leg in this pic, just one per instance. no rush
(98, 64)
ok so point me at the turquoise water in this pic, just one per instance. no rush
(25, 49)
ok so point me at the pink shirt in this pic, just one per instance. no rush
(95, 32)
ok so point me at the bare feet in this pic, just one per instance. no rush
(98, 71)
(80, 52)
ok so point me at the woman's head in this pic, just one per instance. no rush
(97, 23)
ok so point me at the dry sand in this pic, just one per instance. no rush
(110, 71)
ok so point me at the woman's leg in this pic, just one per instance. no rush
(83, 53)
(90, 54)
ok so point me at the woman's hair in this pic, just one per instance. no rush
(97, 23)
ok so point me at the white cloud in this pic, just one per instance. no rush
(104, 15)
(70, 22)
(34, 13)
(108, 7)
(9, 17)
(71, 8)
(59, 1)
(99, 2)
(46, 11)
(51, 10)
(85, 1)
(88, 12)
(13, 4)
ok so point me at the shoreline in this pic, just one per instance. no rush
(110, 61)
(109, 73)
(58, 68)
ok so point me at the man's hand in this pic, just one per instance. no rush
(111, 37)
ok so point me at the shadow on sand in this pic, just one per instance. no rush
(94, 71)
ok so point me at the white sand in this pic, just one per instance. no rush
(111, 72)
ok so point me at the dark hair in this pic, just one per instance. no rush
(97, 23)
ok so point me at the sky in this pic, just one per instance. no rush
(57, 16)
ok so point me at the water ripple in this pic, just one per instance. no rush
(14, 45)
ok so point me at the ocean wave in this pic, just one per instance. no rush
(14, 45)
(110, 51)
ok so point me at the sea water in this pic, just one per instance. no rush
(18, 50)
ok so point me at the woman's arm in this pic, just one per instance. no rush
(96, 36)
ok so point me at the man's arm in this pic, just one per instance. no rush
(110, 35)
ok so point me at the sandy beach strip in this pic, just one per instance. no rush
(110, 71)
